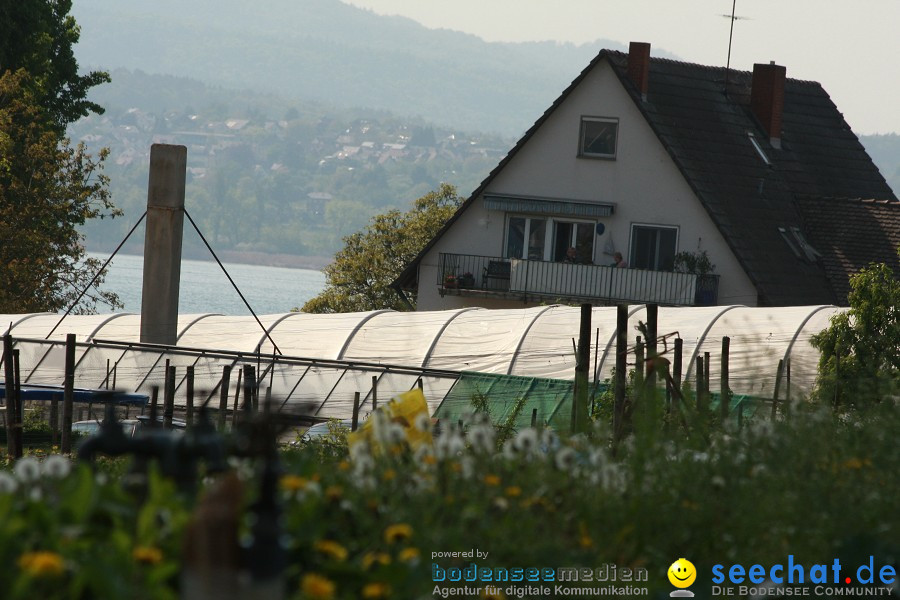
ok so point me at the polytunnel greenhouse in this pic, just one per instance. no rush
(316, 363)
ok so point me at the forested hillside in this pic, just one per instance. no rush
(266, 174)
(329, 51)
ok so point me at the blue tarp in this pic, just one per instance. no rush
(46, 393)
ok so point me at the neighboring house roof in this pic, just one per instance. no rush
(707, 134)
(851, 234)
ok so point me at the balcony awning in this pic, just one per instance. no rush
(546, 206)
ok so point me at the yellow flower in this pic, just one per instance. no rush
(344, 465)
(371, 558)
(855, 463)
(293, 483)
(334, 492)
(408, 555)
(331, 549)
(147, 555)
(41, 563)
(513, 491)
(397, 533)
(389, 475)
(491, 480)
(317, 587)
(429, 459)
(376, 590)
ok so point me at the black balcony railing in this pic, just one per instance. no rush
(467, 274)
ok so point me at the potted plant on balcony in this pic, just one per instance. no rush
(466, 280)
(698, 263)
(451, 281)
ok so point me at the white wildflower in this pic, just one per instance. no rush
(526, 441)
(422, 422)
(27, 469)
(564, 459)
(362, 465)
(549, 440)
(8, 483)
(597, 457)
(718, 481)
(468, 467)
(449, 445)
(511, 450)
(56, 466)
(482, 438)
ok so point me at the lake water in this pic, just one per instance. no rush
(205, 288)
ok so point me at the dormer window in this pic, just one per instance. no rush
(758, 148)
(598, 137)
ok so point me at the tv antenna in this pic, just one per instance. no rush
(733, 18)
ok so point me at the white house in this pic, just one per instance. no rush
(650, 158)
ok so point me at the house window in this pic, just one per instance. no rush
(522, 229)
(578, 235)
(598, 137)
(653, 247)
(549, 239)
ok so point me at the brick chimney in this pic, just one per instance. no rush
(639, 66)
(767, 98)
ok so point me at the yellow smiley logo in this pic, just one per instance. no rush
(682, 573)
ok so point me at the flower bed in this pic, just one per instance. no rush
(384, 519)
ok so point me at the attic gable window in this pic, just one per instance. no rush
(758, 148)
(598, 137)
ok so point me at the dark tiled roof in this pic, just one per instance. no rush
(706, 132)
(850, 234)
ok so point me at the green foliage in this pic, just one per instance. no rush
(697, 263)
(359, 279)
(47, 190)
(38, 36)
(860, 350)
(359, 519)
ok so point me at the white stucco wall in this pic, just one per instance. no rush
(642, 183)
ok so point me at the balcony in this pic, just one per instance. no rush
(534, 280)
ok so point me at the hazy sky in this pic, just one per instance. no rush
(851, 48)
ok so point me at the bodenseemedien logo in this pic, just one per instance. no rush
(682, 574)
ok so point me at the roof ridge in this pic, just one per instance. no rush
(687, 63)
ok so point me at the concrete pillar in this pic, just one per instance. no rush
(162, 244)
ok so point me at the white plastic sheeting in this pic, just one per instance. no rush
(535, 342)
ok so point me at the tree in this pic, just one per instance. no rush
(359, 278)
(47, 189)
(860, 361)
(38, 36)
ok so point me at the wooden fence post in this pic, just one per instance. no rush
(20, 408)
(237, 398)
(374, 392)
(68, 395)
(621, 371)
(189, 383)
(652, 319)
(676, 370)
(724, 389)
(355, 422)
(778, 374)
(223, 396)
(582, 364)
(168, 396)
(11, 411)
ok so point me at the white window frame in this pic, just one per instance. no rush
(658, 226)
(549, 232)
(581, 137)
